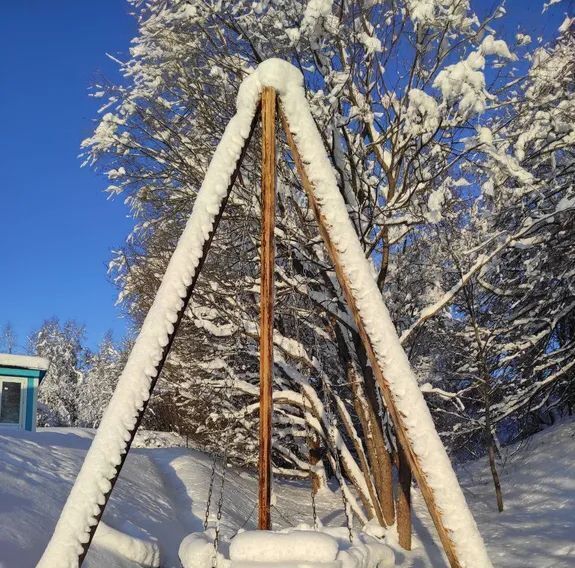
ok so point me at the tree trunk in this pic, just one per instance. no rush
(314, 458)
(375, 510)
(404, 501)
(378, 456)
(495, 475)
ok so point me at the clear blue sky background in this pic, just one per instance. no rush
(56, 226)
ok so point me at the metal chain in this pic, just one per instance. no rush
(305, 412)
(246, 520)
(332, 427)
(224, 468)
(220, 505)
(341, 481)
(210, 491)
(308, 436)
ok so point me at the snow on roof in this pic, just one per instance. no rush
(24, 361)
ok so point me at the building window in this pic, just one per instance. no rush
(11, 398)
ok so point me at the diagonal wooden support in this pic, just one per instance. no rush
(400, 428)
(168, 346)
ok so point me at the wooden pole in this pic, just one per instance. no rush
(397, 419)
(171, 337)
(267, 303)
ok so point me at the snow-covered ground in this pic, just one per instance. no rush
(537, 528)
(162, 491)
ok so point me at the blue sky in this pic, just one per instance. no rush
(56, 226)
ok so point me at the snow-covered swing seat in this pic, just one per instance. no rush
(412, 420)
(290, 548)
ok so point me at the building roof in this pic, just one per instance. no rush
(24, 362)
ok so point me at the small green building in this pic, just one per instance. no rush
(20, 376)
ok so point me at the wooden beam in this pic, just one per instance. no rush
(166, 350)
(397, 419)
(268, 104)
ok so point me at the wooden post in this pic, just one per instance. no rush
(267, 303)
(397, 419)
(404, 501)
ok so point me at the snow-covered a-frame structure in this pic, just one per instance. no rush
(20, 376)
(274, 85)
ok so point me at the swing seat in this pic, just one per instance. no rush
(335, 564)
(287, 549)
(300, 548)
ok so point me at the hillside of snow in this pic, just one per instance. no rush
(162, 492)
(537, 527)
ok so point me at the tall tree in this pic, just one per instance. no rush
(97, 387)
(8, 339)
(396, 89)
(507, 315)
(62, 345)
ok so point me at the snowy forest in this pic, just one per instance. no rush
(451, 133)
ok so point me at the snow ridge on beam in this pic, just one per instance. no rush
(95, 480)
